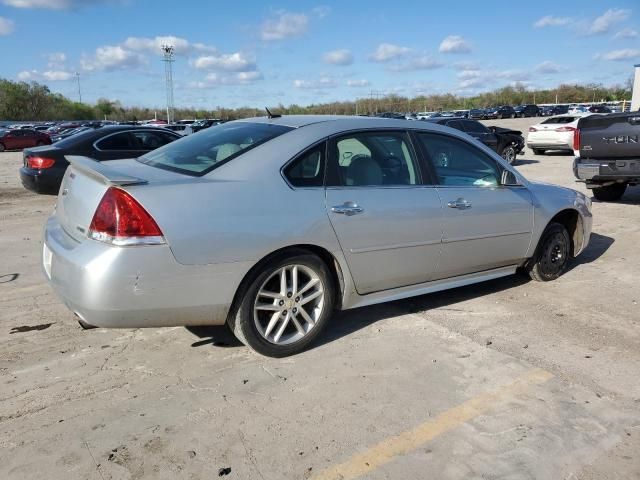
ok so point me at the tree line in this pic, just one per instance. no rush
(22, 101)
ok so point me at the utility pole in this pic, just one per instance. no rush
(79, 91)
(168, 52)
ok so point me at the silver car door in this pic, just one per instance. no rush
(389, 225)
(485, 225)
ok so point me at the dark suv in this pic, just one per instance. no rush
(503, 111)
(527, 111)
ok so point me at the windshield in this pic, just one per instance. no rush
(200, 153)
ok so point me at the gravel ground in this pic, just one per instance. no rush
(507, 379)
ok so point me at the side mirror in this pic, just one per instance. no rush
(508, 179)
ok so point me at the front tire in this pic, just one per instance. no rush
(509, 154)
(552, 254)
(610, 193)
(286, 305)
(2, 148)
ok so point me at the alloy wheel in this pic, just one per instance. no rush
(289, 304)
(509, 154)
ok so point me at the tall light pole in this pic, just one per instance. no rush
(168, 52)
(79, 91)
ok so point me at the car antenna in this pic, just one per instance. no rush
(271, 115)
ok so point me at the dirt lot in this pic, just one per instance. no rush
(508, 379)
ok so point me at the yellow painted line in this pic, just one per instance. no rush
(406, 442)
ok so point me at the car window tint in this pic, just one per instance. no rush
(474, 127)
(308, 169)
(557, 120)
(375, 159)
(118, 141)
(457, 163)
(147, 140)
(210, 148)
(455, 124)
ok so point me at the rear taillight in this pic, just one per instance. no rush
(565, 129)
(121, 220)
(40, 163)
(576, 140)
(533, 129)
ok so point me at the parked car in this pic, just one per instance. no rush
(503, 111)
(17, 139)
(394, 115)
(554, 133)
(575, 109)
(178, 128)
(527, 111)
(68, 133)
(599, 109)
(461, 113)
(44, 167)
(607, 153)
(183, 235)
(507, 143)
(490, 113)
(476, 113)
(202, 124)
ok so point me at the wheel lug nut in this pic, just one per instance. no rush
(281, 303)
(297, 299)
(295, 310)
(289, 295)
(284, 312)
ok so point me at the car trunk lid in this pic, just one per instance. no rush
(613, 136)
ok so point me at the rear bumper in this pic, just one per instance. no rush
(41, 181)
(142, 286)
(594, 171)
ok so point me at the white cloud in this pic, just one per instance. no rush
(233, 62)
(422, 62)
(49, 75)
(154, 45)
(338, 57)
(548, 67)
(57, 57)
(321, 11)
(50, 4)
(322, 82)
(217, 79)
(285, 25)
(607, 20)
(619, 55)
(454, 44)
(358, 83)
(6, 26)
(516, 75)
(626, 33)
(388, 51)
(551, 21)
(112, 57)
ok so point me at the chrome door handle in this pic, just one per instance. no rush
(460, 204)
(348, 209)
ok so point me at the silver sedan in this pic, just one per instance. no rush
(271, 224)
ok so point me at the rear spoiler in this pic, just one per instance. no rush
(102, 172)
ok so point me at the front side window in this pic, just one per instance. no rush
(308, 169)
(457, 163)
(373, 159)
(199, 154)
(474, 127)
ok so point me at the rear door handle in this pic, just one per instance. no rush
(460, 204)
(348, 209)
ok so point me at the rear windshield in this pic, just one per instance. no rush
(560, 120)
(200, 153)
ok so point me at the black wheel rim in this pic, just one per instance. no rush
(509, 154)
(555, 254)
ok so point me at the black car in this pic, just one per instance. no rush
(44, 167)
(202, 124)
(599, 109)
(477, 113)
(503, 111)
(555, 110)
(507, 143)
(527, 111)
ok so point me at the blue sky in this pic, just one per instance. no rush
(260, 53)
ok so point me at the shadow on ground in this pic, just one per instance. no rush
(344, 323)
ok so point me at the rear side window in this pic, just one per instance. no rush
(308, 169)
(148, 140)
(557, 120)
(200, 153)
(474, 127)
(118, 141)
(455, 124)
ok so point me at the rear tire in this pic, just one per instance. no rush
(610, 193)
(513, 115)
(538, 151)
(275, 320)
(552, 254)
